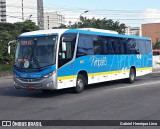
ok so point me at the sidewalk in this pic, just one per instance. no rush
(6, 77)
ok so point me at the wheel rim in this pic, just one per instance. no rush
(80, 84)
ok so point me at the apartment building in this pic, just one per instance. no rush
(2, 10)
(132, 31)
(53, 19)
(20, 10)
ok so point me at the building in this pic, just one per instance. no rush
(132, 31)
(53, 19)
(151, 30)
(2, 11)
(20, 10)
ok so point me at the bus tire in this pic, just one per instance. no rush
(80, 83)
(132, 75)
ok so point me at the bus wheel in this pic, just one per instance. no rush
(132, 75)
(80, 84)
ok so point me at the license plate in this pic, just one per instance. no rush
(31, 87)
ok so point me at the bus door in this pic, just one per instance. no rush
(66, 68)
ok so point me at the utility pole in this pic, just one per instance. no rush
(22, 11)
(48, 21)
(40, 14)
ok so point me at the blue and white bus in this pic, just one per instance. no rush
(64, 58)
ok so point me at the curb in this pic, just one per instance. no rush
(6, 77)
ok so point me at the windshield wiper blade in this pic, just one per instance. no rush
(22, 63)
(37, 63)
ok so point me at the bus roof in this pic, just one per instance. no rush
(92, 31)
(43, 32)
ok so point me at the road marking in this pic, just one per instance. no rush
(143, 84)
(130, 86)
(93, 93)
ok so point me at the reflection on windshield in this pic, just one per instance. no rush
(35, 52)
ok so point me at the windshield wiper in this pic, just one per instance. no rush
(37, 63)
(22, 63)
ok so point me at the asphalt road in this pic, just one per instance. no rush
(114, 100)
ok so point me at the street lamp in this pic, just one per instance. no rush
(82, 14)
(29, 18)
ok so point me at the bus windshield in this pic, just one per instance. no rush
(32, 53)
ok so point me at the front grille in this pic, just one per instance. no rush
(30, 80)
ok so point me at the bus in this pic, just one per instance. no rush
(64, 58)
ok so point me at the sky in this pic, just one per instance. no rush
(131, 12)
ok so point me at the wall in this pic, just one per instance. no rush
(156, 62)
(152, 31)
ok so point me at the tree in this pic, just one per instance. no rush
(26, 26)
(107, 24)
(10, 32)
(156, 45)
(62, 26)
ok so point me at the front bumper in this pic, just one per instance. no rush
(38, 83)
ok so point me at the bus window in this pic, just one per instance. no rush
(116, 46)
(128, 46)
(142, 46)
(110, 46)
(122, 45)
(105, 50)
(104, 44)
(148, 47)
(85, 45)
(97, 43)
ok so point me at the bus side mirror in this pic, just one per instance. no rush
(64, 43)
(64, 47)
(9, 49)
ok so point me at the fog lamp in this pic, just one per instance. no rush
(49, 84)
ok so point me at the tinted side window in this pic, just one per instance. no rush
(142, 46)
(122, 46)
(148, 47)
(117, 46)
(104, 42)
(132, 47)
(127, 46)
(110, 46)
(85, 45)
(99, 45)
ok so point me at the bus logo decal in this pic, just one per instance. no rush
(139, 56)
(99, 62)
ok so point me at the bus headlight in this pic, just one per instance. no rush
(15, 84)
(49, 75)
